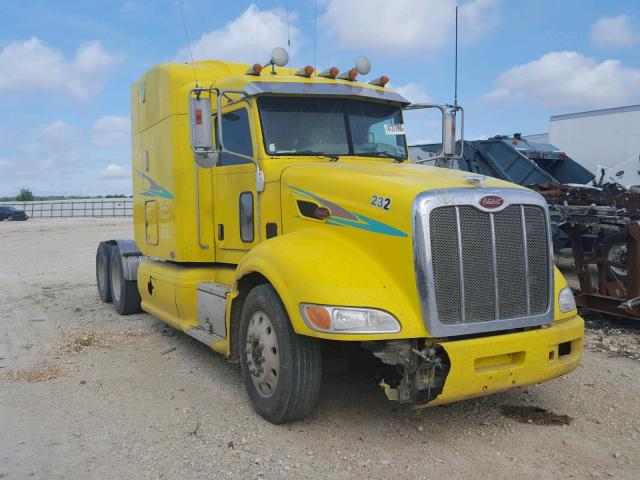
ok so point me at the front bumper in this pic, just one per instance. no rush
(482, 366)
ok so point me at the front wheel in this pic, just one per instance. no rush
(281, 370)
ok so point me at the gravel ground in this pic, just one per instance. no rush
(85, 393)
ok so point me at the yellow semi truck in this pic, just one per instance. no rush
(276, 211)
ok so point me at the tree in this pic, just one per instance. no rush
(25, 195)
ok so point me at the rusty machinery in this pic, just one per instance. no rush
(603, 230)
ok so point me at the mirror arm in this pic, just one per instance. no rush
(220, 143)
(443, 110)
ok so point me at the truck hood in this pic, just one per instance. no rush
(409, 178)
(374, 192)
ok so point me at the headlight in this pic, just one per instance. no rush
(348, 320)
(566, 302)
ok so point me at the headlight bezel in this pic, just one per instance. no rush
(393, 325)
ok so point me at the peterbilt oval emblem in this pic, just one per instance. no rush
(491, 201)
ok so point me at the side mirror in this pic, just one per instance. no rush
(206, 155)
(449, 133)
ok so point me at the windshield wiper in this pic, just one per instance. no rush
(386, 155)
(331, 156)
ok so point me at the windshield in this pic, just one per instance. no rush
(330, 126)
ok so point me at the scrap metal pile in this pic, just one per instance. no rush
(611, 195)
(603, 230)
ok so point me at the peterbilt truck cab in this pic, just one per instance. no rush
(276, 210)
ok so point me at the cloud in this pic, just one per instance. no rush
(32, 65)
(115, 172)
(55, 145)
(406, 27)
(57, 134)
(614, 32)
(413, 92)
(567, 79)
(111, 131)
(248, 38)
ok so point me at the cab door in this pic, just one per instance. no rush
(235, 198)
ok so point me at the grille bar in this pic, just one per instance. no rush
(526, 260)
(462, 315)
(494, 258)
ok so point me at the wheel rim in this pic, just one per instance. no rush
(262, 354)
(618, 254)
(115, 282)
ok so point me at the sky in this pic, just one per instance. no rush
(66, 67)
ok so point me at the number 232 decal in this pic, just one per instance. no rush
(381, 202)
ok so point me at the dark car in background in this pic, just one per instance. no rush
(10, 213)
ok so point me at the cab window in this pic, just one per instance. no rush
(236, 137)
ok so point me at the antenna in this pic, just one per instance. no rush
(288, 36)
(186, 34)
(315, 36)
(455, 94)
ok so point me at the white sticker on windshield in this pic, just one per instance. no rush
(272, 147)
(397, 129)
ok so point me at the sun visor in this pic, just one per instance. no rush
(328, 89)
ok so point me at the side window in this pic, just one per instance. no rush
(236, 137)
(246, 217)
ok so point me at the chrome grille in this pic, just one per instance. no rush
(489, 265)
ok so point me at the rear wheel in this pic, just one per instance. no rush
(11, 218)
(281, 370)
(103, 269)
(124, 293)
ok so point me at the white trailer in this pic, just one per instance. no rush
(608, 138)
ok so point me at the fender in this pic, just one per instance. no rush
(325, 268)
(131, 257)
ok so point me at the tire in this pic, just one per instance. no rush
(124, 293)
(289, 391)
(103, 269)
(11, 218)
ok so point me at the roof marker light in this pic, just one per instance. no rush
(255, 69)
(380, 81)
(350, 75)
(329, 72)
(305, 72)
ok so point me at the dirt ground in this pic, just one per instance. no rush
(85, 393)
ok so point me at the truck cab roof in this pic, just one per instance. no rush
(163, 87)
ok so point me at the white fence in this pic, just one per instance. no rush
(91, 207)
